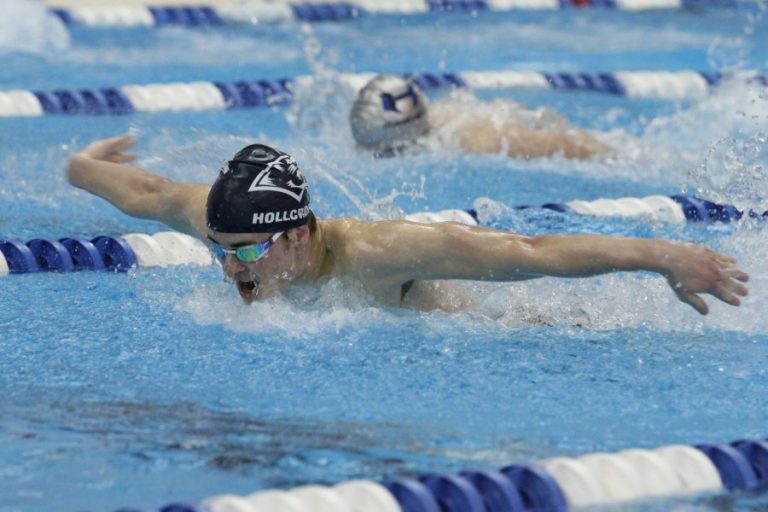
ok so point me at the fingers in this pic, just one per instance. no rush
(694, 301)
(731, 280)
(738, 274)
(123, 157)
(124, 141)
(722, 292)
(119, 144)
(109, 149)
(736, 287)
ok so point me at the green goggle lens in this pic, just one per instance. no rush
(248, 253)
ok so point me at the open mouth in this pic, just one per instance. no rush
(247, 289)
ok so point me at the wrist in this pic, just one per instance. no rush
(660, 256)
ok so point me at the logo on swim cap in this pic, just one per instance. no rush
(261, 190)
(389, 111)
(293, 187)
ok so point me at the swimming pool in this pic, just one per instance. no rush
(157, 385)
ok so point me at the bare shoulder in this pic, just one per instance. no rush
(341, 235)
(365, 250)
(384, 245)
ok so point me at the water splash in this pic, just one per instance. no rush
(27, 27)
(321, 103)
(735, 166)
(343, 304)
(671, 146)
(731, 53)
(735, 171)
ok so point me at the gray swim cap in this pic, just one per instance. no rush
(390, 110)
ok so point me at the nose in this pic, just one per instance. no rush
(232, 265)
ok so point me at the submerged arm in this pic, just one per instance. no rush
(572, 142)
(455, 251)
(102, 170)
(521, 142)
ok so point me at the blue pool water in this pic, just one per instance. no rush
(158, 385)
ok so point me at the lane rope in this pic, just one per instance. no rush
(553, 485)
(200, 95)
(164, 13)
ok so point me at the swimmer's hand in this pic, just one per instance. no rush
(111, 150)
(693, 269)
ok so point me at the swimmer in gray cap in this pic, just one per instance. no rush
(256, 218)
(391, 113)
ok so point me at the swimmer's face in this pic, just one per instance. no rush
(280, 265)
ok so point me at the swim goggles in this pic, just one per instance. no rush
(247, 253)
(389, 101)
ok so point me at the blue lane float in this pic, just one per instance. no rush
(111, 253)
(197, 96)
(497, 491)
(215, 14)
(85, 255)
(412, 495)
(735, 469)
(539, 490)
(739, 466)
(454, 493)
(51, 255)
(67, 255)
(116, 252)
(325, 12)
(18, 257)
(756, 453)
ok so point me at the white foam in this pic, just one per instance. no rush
(296, 315)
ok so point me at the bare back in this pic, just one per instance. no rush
(504, 126)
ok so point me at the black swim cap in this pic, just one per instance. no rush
(261, 190)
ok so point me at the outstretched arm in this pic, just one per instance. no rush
(102, 169)
(456, 251)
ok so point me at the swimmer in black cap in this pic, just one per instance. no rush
(391, 113)
(256, 219)
(260, 190)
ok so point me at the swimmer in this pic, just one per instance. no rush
(256, 218)
(392, 113)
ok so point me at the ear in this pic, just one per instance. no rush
(300, 234)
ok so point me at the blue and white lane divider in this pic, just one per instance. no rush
(159, 13)
(120, 253)
(551, 485)
(111, 253)
(195, 96)
(677, 209)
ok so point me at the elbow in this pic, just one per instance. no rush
(535, 257)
